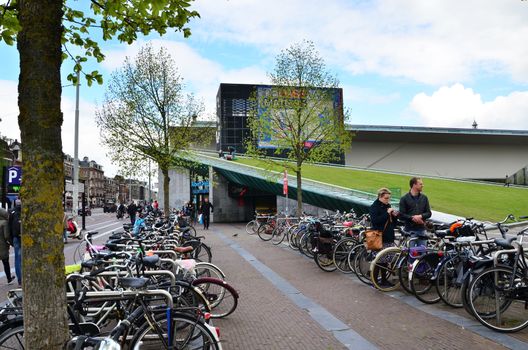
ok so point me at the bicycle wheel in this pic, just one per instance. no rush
(362, 262)
(265, 232)
(187, 333)
(13, 338)
(448, 282)
(383, 271)
(201, 252)
(351, 257)
(80, 254)
(294, 236)
(306, 244)
(498, 299)
(204, 269)
(325, 262)
(404, 273)
(422, 285)
(340, 254)
(222, 297)
(278, 235)
(251, 227)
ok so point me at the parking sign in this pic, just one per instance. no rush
(14, 175)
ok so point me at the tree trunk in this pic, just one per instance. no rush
(166, 180)
(40, 120)
(299, 191)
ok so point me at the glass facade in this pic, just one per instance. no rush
(232, 116)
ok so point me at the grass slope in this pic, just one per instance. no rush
(464, 199)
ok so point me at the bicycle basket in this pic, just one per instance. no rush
(461, 229)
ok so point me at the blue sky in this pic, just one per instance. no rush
(439, 63)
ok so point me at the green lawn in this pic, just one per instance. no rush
(464, 199)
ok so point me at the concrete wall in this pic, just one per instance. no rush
(292, 207)
(226, 209)
(467, 161)
(179, 187)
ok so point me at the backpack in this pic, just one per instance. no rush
(14, 223)
(71, 226)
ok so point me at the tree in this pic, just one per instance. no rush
(45, 31)
(146, 114)
(299, 117)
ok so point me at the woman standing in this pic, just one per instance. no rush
(5, 242)
(383, 218)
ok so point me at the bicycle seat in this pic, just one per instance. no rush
(89, 264)
(183, 249)
(133, 282)
(151, 261)
(91, 233)
(442, 233)
(112, 246)
(481, 262)
(505, 243)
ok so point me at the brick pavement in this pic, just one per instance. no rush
(266, 319)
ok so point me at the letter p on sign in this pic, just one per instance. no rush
(12, 175)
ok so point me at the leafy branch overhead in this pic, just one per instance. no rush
(300, 117)
(146, 113)
(119, 19)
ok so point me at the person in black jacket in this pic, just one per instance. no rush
(132, 210)
(207, 209)
(414, 210)
(383, 218)
(15, 230)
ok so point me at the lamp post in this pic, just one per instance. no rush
(150, 194)
(75, 205)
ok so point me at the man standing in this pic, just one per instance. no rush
(207, 209)
(414, 210)
(14, 230)
(131, 210)
(5, 243)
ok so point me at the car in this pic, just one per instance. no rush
(109, 208)
(87, 210)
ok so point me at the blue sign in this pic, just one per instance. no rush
(12, 198)
(14, 175)
(200, 191)
(200, 183)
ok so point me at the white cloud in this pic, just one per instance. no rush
(202, 75)
(88, 132)
(367, 95)
(9, 109)
(457, 106)
(433, 42)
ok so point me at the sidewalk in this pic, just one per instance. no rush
(279, 312)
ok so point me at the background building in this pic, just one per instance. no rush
(111, 190)
(94, 181)
(480, 154)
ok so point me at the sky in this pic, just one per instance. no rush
(437, 63)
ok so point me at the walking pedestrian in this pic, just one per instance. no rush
(5, 243)
(15, 231)
(131, 210)
(383, 218)
(414, 210)
(207, 209)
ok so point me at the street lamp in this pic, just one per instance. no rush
(75, 205)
